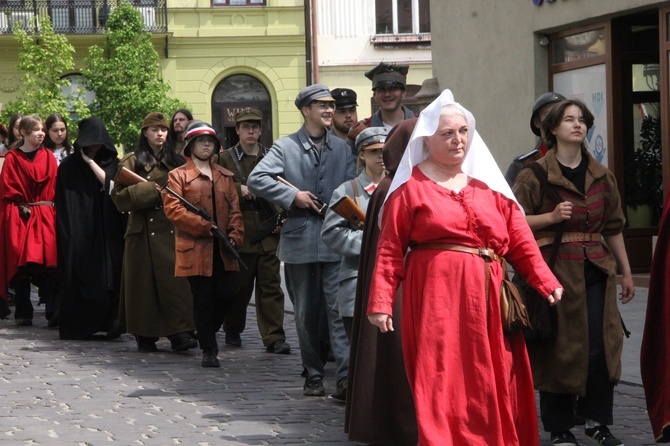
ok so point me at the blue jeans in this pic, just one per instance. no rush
(311, 285)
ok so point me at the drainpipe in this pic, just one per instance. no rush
(311, 63)
(315, 48)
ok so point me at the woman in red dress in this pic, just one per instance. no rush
(471, 382)
(27, 217)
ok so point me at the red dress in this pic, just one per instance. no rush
(27, 242)
(656, 337)
(471, 384)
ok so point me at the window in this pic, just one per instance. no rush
(76, 90)
(402, 16)
(238, 2)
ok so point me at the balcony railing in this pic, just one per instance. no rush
(76, 16)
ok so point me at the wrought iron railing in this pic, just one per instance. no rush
(76, 16)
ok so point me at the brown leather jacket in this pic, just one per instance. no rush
(194, 239)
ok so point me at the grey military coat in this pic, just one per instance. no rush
(345, 239)
(296, 159)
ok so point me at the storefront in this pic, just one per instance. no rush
(612, 57)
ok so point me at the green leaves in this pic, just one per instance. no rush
(125, 76)
(43, 59)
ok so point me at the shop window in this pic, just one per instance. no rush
(578, 46)
(402, 16)
(238, 2)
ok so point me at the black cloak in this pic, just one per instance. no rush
(90, 238)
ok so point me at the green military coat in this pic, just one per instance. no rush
(562, 367)
(252, 214)
(153, 301)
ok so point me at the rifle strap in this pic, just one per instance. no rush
(547, 188)
(233, 154)
(355, 187)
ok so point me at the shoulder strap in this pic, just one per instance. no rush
(233, 154)
(541, 175)
(355, 187)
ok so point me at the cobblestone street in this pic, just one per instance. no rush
(98, 392)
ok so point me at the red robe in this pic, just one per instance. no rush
(472, 384)
(654, 363)
(27, 242)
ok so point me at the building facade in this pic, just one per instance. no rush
(217, 56)
(353, 36)
(613, 54)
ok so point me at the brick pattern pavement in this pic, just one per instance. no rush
(94, 392)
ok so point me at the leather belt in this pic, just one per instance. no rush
(250, 206)
(486, 253)
(293, 213)
(39, 203)
(569, 237)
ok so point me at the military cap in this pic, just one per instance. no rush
(155, 119)
(344, 97)
(311, 93)
(545, 99)
(388, 75)
(371, 138)
(248, 114)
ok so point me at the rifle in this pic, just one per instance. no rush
(275, 220)
(127, 177)
(269, 226)
(346, 208)
(323, 207)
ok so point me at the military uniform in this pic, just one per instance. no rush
(260, 257)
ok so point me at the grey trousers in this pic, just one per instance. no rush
(310, 286)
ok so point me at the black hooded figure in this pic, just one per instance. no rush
(90, 236)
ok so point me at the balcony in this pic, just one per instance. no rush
(76, 16)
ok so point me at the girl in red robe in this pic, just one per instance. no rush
(27, 217)
(471, 383)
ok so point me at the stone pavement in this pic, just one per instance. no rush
(97, 392)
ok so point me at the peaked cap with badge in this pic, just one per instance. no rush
(388, 75)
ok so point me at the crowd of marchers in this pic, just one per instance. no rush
(394, 232)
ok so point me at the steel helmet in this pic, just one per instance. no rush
(547, 98)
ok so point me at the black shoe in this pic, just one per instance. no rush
(183, 341)
(209, 359)
(563, 438)
(313, 387)
(279, 347)
(146, 344)
(233, 340)
(340, 390)
(115, 331)
(601, 435)
(52, 318)
(4, 309)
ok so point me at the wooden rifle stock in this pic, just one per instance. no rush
(346, 208)
(126, 177)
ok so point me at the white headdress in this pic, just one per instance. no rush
(478, 162)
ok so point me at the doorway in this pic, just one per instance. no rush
(636, 78)
(234, 94)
